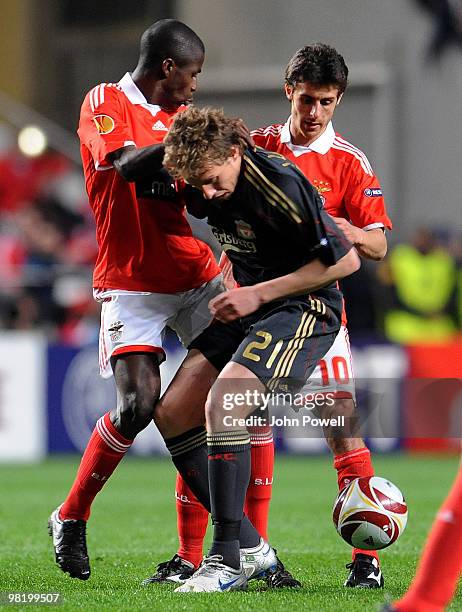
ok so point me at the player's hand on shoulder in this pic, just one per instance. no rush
(245, 134)
(352, 233)
(234, 304)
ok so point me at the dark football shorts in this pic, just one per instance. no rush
(281, 343)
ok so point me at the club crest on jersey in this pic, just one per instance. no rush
(244, 230)
(321, 186)
(104, 124)
(115, 330)
(373, 193)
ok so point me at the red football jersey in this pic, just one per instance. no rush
(144, 244)
(339, 171)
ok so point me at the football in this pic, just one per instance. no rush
(370, 513)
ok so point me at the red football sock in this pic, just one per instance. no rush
(192, 520)
(104, 451)
(350, 465)
(257, 501)
(440, 565)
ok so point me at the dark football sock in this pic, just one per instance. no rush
(229, 474)
(189, 455)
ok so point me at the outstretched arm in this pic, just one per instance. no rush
(133, 163)
(244, 300)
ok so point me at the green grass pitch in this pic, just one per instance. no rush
(132, 528)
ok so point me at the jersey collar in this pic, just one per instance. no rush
(320, 145)
(135, 96)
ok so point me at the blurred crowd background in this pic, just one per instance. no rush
(47, 245)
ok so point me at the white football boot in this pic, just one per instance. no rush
(214, 577)
(259, 561)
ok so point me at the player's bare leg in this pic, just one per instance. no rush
(181, 409)
(179, 413)
(138, 386)
(352, 459)
(137, 380)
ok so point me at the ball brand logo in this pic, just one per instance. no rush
(104, 124)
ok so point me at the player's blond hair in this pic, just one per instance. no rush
(199, 138)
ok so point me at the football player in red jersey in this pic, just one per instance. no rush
(315, 80)
(150, 271)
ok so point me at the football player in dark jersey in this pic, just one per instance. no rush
(269, 332)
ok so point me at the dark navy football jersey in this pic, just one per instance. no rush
(274, 223)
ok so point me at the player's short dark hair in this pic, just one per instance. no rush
(318, 64)
(169, 38)
(199, 138)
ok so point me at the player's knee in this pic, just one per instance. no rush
(338, 446)
(211, 410)
(344, 407)
(340, 407)
(164, 418)
(136, 410)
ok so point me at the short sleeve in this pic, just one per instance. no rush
(103, 126)
(364, 201)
